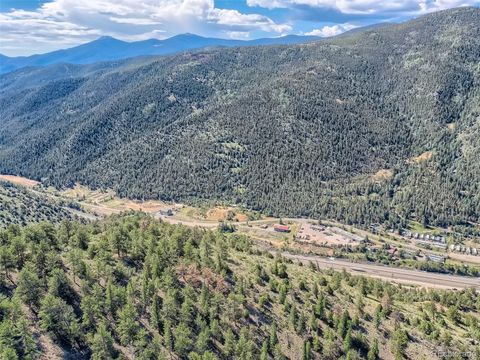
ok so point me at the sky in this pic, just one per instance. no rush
(38, 26)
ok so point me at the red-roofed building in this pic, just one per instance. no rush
(281, 228)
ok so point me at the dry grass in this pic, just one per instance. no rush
(427, 155)
(222, 213)
(216, 213)
(382, 175)
(105, 202)
(19, 180)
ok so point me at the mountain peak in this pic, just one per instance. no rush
(188, 36)
(107, 48)
(106, 39)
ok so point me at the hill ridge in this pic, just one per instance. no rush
(107, 48)
(291, 130)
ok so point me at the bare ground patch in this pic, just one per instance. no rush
(427, 155)
(19, 180)
(382, 175)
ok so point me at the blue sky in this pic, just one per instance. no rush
(37, 26)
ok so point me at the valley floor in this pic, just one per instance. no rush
(96, 204)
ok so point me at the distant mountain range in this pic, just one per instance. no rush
(375, 126)
(108, 49)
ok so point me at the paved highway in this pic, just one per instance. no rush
(368, 269)
(405, 276)
(422, 278)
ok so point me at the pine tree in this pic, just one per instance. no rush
(167, 335)
(203, 341)
(347, 342)
(57, 317)
(343, 324)
(245, 347)
(155, 317)
(399, 343)
(128, 325)
(102, 344)
(283, 294)
(183, 339)
(8, 353)
(29, 287)
(317, 345)
(110, 303)
(307, 351)
(273, 339)
(373, 351)
(6, 260)
(229, 343)
(264, 351)
(293, 317)
(319, 307)
(315, 289)
(378, 316)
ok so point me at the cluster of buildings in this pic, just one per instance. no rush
(465, 249)
(394, 253)
(427, 239)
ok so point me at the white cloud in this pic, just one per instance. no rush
(332, 30)
(238, 35)
(246, 21)
(134, 21)
(366, 7)
(62, 23)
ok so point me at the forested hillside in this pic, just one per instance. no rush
(131, 287)
(21, 206)
(379, 125)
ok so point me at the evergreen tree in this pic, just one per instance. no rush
(102, 344)
(29, 287)
(167, 335)
(128, 324)
(307, 352)
(273, 339)
(57, 317)
(155, 316)
(183, 339)
(373, 351)
(229, 343)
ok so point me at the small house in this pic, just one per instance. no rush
(281, 228)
